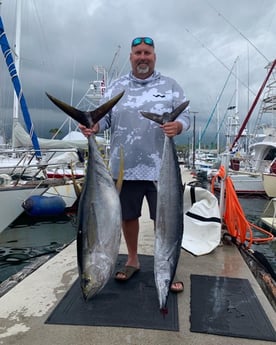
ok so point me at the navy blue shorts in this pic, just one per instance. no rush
(132, 195)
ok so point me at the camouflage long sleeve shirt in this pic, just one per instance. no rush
(141, 139)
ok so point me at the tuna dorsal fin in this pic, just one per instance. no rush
(166, 117)
(86, 118)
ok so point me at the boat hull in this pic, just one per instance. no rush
(269, 182)
(11, 204)
(246, 184)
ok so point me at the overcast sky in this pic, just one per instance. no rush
(197, 43)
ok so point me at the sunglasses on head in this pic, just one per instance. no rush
(139, 40)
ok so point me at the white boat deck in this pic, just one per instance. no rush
(270, 222)
(269, 215)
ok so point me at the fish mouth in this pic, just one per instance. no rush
(89, 287)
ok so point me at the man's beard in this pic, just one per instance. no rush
(142, 70)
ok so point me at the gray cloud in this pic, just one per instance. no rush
(197, 43)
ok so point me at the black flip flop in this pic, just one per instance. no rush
(127, 271)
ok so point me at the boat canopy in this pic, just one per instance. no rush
(78, 141)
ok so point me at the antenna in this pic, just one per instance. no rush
(236, 29)
(220, 61)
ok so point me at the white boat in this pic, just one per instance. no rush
(24, 177)
(14, 193)
(247, 183)
(23, 171)
(269, 215)
(249, 171)
(269, 182)
(66, 156)
(205, 161)
(263, 148)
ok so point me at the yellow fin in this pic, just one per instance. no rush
(120, 179)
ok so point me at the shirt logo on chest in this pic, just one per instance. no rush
(161, 96)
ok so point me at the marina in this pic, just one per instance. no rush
(57, 266)
(23, 165)
(25, 309)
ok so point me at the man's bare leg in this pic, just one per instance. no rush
(131, 233)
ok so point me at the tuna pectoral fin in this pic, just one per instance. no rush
(86, 118)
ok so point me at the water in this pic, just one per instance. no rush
(253, 209)
(31, 237)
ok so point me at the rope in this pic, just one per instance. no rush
(234, 218)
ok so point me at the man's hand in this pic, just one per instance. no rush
(89, 131)
(172, 129)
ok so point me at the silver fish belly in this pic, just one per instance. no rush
(169, 222)
(169, 212)
(99, 209)
(99, 225)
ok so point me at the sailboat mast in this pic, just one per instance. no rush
(218, 116)
(7, 52)
(17, 58)
(237, 88)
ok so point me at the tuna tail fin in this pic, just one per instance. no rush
(166, 117)
(86, 118)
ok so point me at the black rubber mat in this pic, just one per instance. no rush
(120, 304)
(228, 307)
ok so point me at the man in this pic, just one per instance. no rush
(141, 139)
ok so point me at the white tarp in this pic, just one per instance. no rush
(71, 140)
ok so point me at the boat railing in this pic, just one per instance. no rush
(27, 166)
